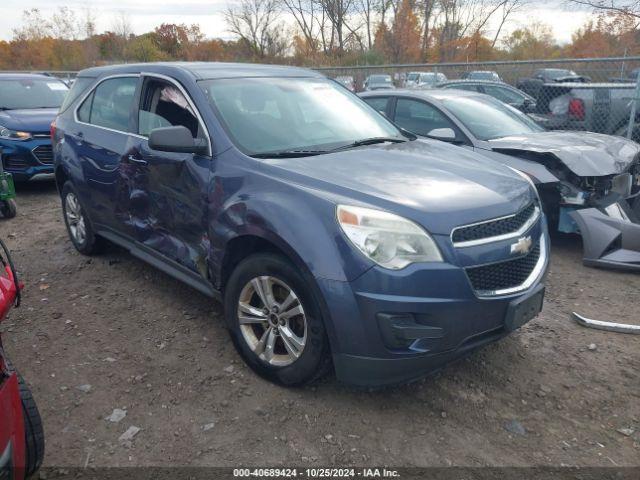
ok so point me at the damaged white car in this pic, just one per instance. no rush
(588, 183)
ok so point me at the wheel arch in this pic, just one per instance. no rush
(243, 246)
(246, 244)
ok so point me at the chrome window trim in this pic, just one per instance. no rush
(90, 91)
(536, 273)
(498, 238)
(189, 100)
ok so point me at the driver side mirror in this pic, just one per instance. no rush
(176, 139)
(443, 134)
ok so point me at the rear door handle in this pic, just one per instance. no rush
(139, 161)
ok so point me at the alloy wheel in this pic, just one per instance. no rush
(75, 219)
(272, 320)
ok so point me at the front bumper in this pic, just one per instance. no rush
(28, 160)
(390, 327)
(611, 234)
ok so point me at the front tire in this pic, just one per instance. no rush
(275, 321)
(78, 224)
(8, 208)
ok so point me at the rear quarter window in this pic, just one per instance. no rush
(109, 105)
(78, 88)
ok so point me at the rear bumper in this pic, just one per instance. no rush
(28, 160)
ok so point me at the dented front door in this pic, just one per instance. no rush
(168, 204)
(166, 191)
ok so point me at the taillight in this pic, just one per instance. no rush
(52, 130)
(576, 109)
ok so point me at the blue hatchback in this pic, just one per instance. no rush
(28, 105)
(332, 237)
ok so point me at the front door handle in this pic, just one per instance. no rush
(139, 161)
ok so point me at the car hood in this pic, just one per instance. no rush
(585, 154)
(436, 184)
(28, 120)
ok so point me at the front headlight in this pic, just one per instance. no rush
(389, 240)
(8, 134)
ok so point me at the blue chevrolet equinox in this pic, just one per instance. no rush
(333, 238)
(28, 105)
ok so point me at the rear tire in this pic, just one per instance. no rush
(78, 223)
(8, 208)
(284, 341)
(34, 433)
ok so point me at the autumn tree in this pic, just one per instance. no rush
(533, 42)
(405, 35)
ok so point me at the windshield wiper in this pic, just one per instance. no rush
(369, 141)
(289, 154)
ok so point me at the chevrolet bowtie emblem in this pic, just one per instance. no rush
(522, 246)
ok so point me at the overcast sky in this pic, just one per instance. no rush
(144, 15)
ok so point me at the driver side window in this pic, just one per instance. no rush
(164, 105)
(419, 117)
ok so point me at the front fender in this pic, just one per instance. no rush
(299, 223)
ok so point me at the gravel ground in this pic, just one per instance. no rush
(105, 333)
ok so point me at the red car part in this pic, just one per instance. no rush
(12, 434)
(9, 290)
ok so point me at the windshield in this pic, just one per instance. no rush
(380, 79)
(31, 93)
(488, 119)
(428, 77)
(265, 115)
(413, 76)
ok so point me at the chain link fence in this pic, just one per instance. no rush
(594, 94)
(591, 94)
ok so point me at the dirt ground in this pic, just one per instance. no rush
(109, 332)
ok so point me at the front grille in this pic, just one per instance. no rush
(15, 163)
(504, 275)
(494, 228)
(44, 154)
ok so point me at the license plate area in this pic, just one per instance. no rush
(524, 309)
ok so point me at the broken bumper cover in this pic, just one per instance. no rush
(610, 236)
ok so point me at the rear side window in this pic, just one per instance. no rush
(110, 104)
(79, 86)
(420, 118)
